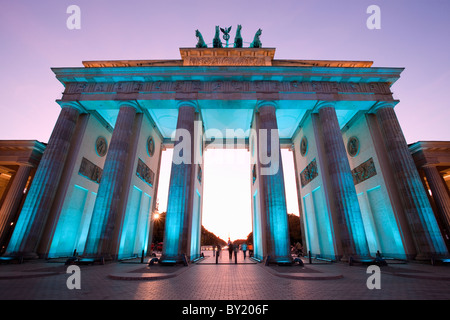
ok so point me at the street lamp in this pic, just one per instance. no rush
(155, 217)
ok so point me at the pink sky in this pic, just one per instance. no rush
(34, 38)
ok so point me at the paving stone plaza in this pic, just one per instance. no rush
(227, 280)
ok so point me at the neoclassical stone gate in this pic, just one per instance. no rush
(96, 186)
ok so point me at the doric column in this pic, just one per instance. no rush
(421, 220)
(349, 219)
(101, 229)
(36, 208)
(181, 185)
(439, 193)
(272, 187)
(12, 200)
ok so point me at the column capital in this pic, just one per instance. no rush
(130, 104)
(322, 104)
(188, 103)
(266, 103)
(382, 104)
(72, 104)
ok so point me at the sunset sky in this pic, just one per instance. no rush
(34, 37)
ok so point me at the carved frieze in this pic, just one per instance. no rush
(309, 173)
(226, 61)
(90, 171)
(185, 86)
(364, 171)
(227, 56)
(145, 173)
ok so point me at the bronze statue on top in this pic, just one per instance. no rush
(238, 41)
(256, 42)
(226, 34)
(216, 41)
(201, 43)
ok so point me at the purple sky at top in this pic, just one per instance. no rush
(34, 38)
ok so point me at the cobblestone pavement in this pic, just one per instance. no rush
(225, 281)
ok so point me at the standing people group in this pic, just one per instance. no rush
(234, 248)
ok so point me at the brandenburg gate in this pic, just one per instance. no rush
(96, 186)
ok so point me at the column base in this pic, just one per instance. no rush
(430, 256)
(173, 260)
(356, 258)
(100, 258)
(280, 260)
(92, 259)
(22, 255)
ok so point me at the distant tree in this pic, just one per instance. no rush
(250, 238)
(209, 239)
(238, 242)
(295, 233)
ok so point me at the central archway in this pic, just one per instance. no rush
(184, 208)
(227, 203)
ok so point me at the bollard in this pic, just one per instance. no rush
(142, 257)
(217, 257)
(309, 255)
(185, 260)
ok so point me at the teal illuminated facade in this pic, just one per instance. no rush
(358, 189)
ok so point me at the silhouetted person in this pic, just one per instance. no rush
(244, 249)
(218, 253)
(230, 249)
(379, 259)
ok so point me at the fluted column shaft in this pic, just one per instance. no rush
(180, 190)
(12, 200)
(349, 219)
(439, 193)
(42, 192)
(106, 206)
(273, 190)
(419, 214)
